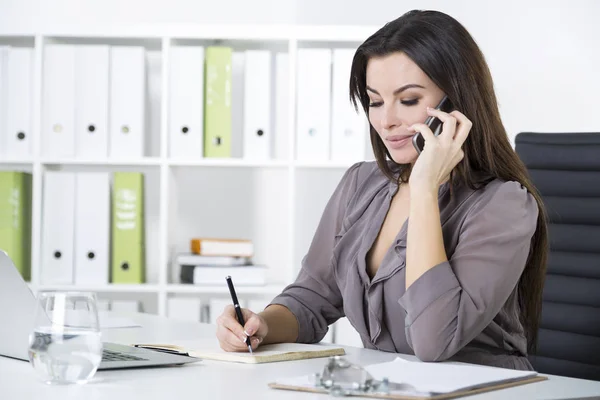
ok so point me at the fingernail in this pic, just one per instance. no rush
(256, 341)
(243, 339)
(247, 334)
(428, 108)
(411, 128)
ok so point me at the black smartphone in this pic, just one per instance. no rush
(434, 124)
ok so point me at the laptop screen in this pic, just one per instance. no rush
(17, 311)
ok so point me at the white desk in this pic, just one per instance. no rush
(218, 380)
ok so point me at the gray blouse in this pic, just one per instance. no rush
(465, 309)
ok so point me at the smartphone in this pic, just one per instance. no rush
(434, 124)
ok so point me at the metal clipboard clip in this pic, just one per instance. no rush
(341, 378)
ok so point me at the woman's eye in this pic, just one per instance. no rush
(375, 104)
(410, 102)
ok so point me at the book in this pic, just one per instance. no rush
(128, 243)
(15, 219)
(195, 259)
(243, 276)
(222, 247)
(439, 380)
(217, 105)
(264, 354)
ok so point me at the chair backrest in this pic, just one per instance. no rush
(565, 168)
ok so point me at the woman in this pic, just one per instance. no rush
(440, 254)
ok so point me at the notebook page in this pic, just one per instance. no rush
(444, 377)
(264, 351)
(210, 349)
(279, 348)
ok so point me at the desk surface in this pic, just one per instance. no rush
(219, 380)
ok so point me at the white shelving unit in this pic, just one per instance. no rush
(296, 191)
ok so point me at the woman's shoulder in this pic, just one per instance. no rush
(498, 188)
(360, 183)
(368, 173)
(499, 195)
(368, 178)
(364, 173)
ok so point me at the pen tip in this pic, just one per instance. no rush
(250, 349)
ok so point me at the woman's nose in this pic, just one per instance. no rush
(389, 118)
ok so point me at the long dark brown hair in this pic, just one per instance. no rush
(449, 56)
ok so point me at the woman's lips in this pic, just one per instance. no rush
(398, 141)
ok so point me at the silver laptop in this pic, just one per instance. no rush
(17, 314)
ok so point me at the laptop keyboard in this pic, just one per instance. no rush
(109, 355)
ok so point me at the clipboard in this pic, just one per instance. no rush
(364, 385)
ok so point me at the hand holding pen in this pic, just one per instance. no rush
(238, 311)
(239, 329)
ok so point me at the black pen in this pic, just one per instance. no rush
(238, 309)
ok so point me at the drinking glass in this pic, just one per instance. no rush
(65, 346)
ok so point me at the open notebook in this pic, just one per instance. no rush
(264, 354)
(413, 380)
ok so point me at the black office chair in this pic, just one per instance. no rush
(565, 168)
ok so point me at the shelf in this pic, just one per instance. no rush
(228, 162)
(16, 162)
(147, 161)
(198, 195)
(120, 288)
(270, 289)
(206, 162)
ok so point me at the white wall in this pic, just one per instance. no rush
(39, 13)
(543, 54)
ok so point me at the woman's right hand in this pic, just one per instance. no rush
(232, 336)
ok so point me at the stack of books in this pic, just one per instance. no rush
(210, 261)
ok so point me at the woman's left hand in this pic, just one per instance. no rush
(441, 153)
